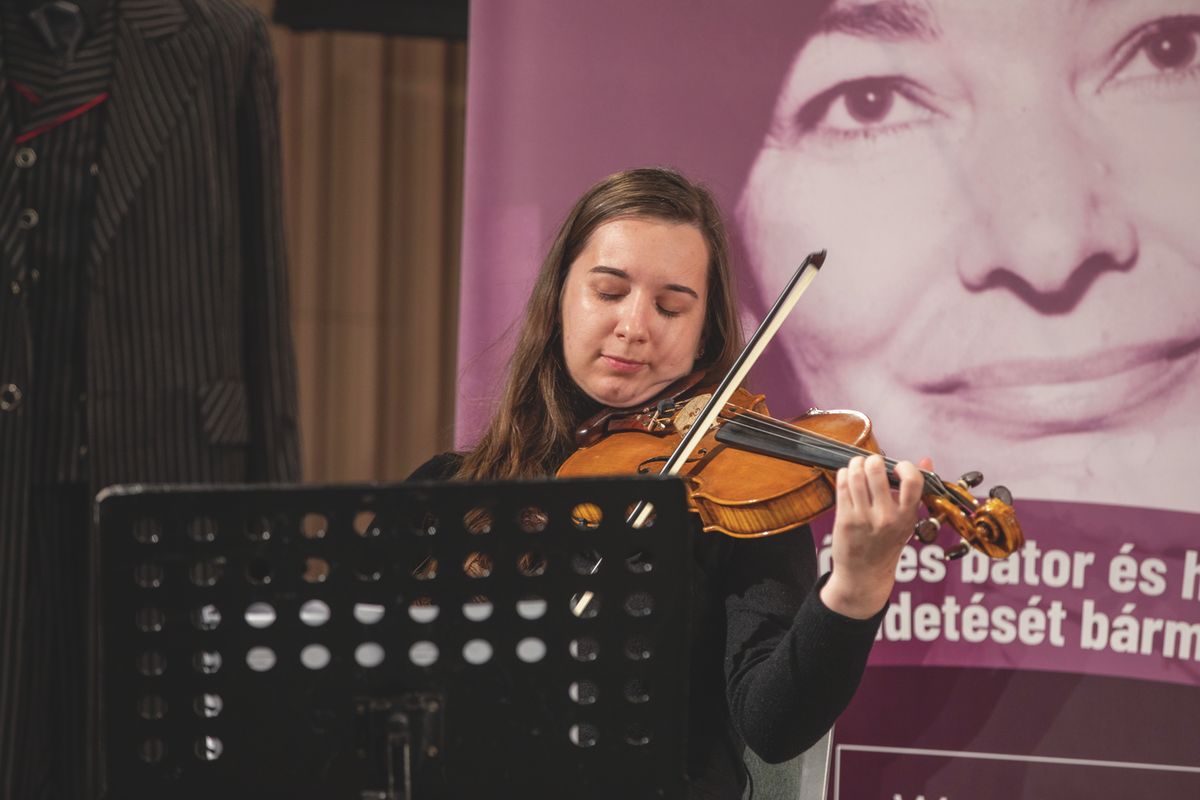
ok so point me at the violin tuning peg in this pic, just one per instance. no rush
(972, 479)
(1002, 494)
(958, 552)
(926, 530)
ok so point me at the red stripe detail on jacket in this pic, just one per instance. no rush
(59, 120)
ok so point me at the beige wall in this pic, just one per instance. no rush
(372, 139)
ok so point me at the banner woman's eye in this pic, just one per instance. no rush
(869, 104)
(863, 108)
(1173, 49)
(1164, 49)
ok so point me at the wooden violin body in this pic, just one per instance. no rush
(742, 494)
(751, 475)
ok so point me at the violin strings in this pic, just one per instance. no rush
(829, 447)
(783, 430)
(770, 426)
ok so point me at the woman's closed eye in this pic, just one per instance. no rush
(668, 310)
(865, 108)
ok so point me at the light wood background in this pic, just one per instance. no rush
(372, 148)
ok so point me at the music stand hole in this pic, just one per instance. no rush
(258, 529)
(423, 653)
(425, 523)
(643, 511)
(584, 649)
(477, 565)
(148, 576)
(477, 651)
(532, 519)
(586, 516)
(314, 613)
(584, 734)
(637, 649)
(369, 654)
(637, 735)
(587, 562)
(260, 659)
(316, 570)
(202, 530)
(477, 609)
(152, 750)
(152, 707)
(258, 572)
(531, 607)
(426, 570)
(423, 610)
(314, 526)
(206, 618)
(584, 693)
(260, 615)
(531, 564)
(315, 656)
(147, 531)
(150, 619)
(639, 604)
(207, 573)
(640, 563)
(209, 748)
(585, 605)
(531, 650)
(208, 706)
(367, 573)
(151, 663)
(478, 521)
(368, 613)
(207, 662)
(636, 691)
(365, 525)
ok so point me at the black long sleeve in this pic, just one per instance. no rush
(791, 664)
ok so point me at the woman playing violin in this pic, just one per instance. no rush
(636, 292)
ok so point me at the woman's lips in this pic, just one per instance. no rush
(1060, 394)
(622, 365)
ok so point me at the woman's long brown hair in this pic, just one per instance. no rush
(533, 429)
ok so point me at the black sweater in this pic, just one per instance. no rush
(772, 667)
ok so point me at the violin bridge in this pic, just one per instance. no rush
(687, 415)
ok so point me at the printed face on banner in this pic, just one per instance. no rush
(633, 309)
(1010, 194)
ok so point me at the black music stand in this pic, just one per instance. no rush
(406, 641)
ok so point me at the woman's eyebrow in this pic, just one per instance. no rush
(885, 20)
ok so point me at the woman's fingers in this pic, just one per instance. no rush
(856, 479)
(877, 483)
(912, 482)
(844, 500)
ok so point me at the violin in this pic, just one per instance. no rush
(753, 475)
(749, 474)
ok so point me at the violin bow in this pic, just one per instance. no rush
(799, 283)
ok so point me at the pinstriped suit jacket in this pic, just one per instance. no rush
(190, 370)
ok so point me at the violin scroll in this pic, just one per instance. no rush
(989, 526)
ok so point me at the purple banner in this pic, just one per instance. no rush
(1091, 591)
(1010, 196)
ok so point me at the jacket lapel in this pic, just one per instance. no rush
(10, 244)
(158, 61)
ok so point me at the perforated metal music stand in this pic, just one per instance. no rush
(415, 640)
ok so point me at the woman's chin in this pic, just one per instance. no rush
(619, 394)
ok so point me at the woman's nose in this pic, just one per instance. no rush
(633, 324)
(1046, 220)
